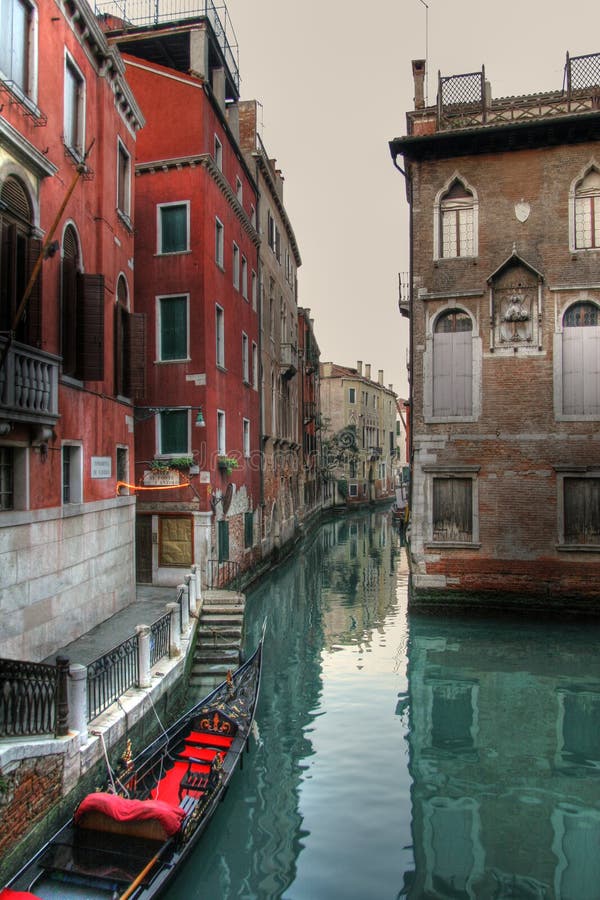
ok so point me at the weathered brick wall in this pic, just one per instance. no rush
(27, 794)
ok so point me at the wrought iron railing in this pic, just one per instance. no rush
(142, 13)
(111, 675)
(29, 384)
(160, 638)
(223, 574)
(33, 698)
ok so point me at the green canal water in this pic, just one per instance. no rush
(406, 756)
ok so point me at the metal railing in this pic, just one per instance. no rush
(111, 675)
(144, 13)
(33, 698)
(160, 638)
(223, 574)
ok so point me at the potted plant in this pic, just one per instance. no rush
(229, 463)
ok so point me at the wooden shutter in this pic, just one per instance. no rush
(223, 539)
(33, 311)
(90, 327)
(8, 237)
(581, 370)
(136, 355)
(453, 373)
(452, 509)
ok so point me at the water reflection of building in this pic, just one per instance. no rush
(359, 583)
(505, 761)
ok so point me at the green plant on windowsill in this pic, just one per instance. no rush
(229, 463)
(177, 462)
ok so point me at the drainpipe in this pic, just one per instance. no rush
(410, 323)
(260, 362)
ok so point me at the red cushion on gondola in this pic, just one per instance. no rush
(207, 737)
(123, 810)
(9, 894)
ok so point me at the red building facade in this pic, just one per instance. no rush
(68, 369)
(197, 280)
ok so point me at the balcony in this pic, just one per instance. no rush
(28, 385)
(288, 360)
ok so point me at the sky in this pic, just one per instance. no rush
(335, 82)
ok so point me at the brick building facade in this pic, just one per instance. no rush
(504, 341)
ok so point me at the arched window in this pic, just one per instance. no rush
(581, 359)
(453, 365)
(82, 314)
(587, 212)
(19, 254)
(457, 222)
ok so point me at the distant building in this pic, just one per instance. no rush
(505, 340)
(359, 432)
(197, 266)
(281, 441)
(310, 416)
(69, 367)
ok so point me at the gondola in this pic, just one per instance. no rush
(128, 842)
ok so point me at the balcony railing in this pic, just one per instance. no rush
(288, 359)
(29, 384)
(143, 13)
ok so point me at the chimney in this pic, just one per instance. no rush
(380, 377)
(233, 120)
(359, 367)
(418, 67)
(218, 87)
(368, 371)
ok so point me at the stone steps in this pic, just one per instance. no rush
(219, 638)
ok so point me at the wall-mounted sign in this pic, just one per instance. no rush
(101, 467)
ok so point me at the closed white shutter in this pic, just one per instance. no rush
(453, 373)
(581, 370)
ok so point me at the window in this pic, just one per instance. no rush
(239, 190)
(253, 215)
(173, 227)
(587, 212)
(453, 365)
(16, 52)
(223, 539)
(248, 529)
(74, 119)
(218, 153)
(82, 315)
(254, 290)
(273, 236)
(123, 181)
(220, 335)
(456, 222)
(351, 395)
(71, 474)
(581, 360)
(7, 471)
(244, 278)
(221, 433)
(173, 432)
(175, 541)
(19, 253)
(236, 266)
(219, 242)
(353, 490)
(172, 328)
(254, 366)
(245, 360)
(452, 510)
(130, 346)
(582, 511)
(246, 437)
(122, 467)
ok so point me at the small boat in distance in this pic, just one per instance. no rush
(128, 844)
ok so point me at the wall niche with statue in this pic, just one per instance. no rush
(515, 307)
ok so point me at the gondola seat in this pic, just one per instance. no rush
(151, 819)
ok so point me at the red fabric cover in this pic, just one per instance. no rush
(206, 737)
(9, 894)
(123, 810)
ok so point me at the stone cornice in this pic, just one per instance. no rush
(265, 168)
(204, 160)
(25, 152)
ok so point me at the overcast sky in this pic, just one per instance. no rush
(335, 82)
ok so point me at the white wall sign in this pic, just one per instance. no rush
(101, 467)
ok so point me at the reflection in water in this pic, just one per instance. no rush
(505, 759)
(406, 756)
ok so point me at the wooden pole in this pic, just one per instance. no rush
(141, 876)
(81, 168)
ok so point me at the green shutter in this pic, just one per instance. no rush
(248, 529)
(174, 431)
(173, 225)
(223, 539)
(173, 328)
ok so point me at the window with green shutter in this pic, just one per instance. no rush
(223, 539)
(174, 432)
(248, 529)
(173, 228)
(173, 334)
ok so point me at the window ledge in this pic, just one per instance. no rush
(125, 220)
(220, 266)
(578, 548)
(221, 367)
(166, 362)
(452, 545)
(172, 253)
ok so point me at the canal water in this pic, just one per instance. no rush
(406, 756)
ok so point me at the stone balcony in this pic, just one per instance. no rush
(28, 386)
